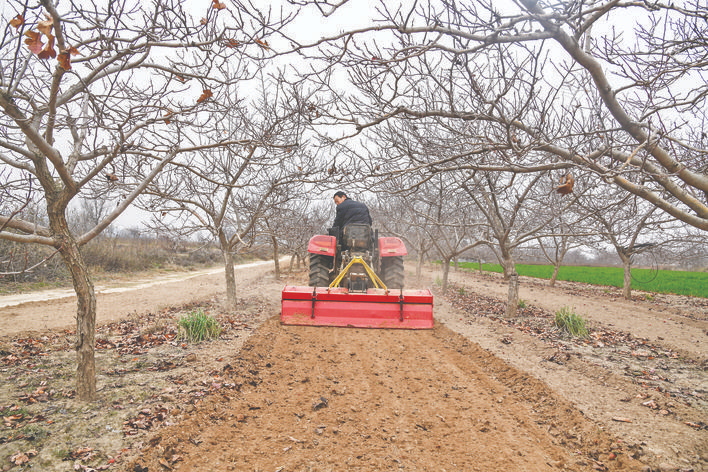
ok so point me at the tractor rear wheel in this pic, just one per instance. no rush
(392, 271)
(319, 270)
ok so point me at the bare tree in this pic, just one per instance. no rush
(97, 100)
(294, 223)
(453, 229)
(631, 226)
(528, 77)
(227, 191)
(405, 216)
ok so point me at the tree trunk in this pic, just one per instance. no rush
(552, 282)
(230, 280)
(480, 265)
(512, 303)
(85, 318)
(419, 266)
(508, 266)
(446, 272)
(276, 257)
(457, 264)
(627, 286)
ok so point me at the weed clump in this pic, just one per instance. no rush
(567, 320)
(197, 326)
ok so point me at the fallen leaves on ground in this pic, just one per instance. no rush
(646, 364)
(22, 458)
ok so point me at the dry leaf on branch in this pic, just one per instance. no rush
(566, 185)
(218, 5)
(34, 41)
(205, 95)
(64, 60)
(17, 21)
(45, 27)
(48, 50)
(263, 43)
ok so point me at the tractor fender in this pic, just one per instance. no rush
(391, 246)
(321, 244)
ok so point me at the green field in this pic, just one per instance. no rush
(664, 281)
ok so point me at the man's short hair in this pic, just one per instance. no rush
(341, 194)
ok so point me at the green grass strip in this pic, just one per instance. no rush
(665, 281)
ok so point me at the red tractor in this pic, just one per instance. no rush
(329, 255)
(356, 279)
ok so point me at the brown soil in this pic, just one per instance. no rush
(478, 392)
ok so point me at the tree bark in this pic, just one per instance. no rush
(276, 257)
(85, 317)
(512, 303)
(627, 285)
(230, 280)
(508, 266)
(446, 272)
(419, 266)
(552, 282)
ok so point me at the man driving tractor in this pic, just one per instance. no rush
(349, 211)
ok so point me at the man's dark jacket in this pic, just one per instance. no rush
(350, 211)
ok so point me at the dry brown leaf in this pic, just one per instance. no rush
(566, 185)
(205, 95)
(34, 41)
(48, 50)
(64, 60)
(45, 27)
(17, 21)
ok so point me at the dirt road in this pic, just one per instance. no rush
(54, 309)
(478, 392)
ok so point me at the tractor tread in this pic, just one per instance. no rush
(392, 271)
(319, 270)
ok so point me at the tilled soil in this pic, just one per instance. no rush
(352, 399)
(478, 392)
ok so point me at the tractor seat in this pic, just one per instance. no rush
(357, 236)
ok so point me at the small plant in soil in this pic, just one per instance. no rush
(570, 322)
(198, 326)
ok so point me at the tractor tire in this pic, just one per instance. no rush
(319, 270)
(392, 271)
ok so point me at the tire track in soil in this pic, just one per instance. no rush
(332, 399)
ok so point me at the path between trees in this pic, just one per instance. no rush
(51, 309)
